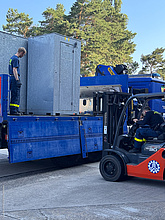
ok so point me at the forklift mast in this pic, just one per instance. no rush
(110, 105)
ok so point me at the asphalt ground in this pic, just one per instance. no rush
(45, 191)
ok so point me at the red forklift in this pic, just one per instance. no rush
(119, 131)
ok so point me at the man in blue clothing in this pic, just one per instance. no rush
(15, 84)
(153, 120)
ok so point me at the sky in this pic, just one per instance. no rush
(145, 17)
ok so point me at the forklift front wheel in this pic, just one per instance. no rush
(111, 168)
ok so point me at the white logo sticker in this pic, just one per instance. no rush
(154, 166)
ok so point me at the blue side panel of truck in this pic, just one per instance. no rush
(4, 95)
(33, 138)
(121, 80)
(91, 133)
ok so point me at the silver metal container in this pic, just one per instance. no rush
(53, 75)
(9, 45)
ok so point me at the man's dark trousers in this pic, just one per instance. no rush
(15, 95)
(142, 134)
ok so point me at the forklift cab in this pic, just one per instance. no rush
(126, 141)
(118, 162)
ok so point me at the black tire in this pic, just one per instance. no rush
(111, 168)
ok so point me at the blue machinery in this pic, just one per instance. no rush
(30, 137)
(135, 83)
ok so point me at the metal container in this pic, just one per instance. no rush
(53, 75)
(9, 45)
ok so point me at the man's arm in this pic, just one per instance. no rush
(15, 73)
(145, 120)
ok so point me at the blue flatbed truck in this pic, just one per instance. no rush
(34, 137)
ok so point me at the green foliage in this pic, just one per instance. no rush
(77, 18)
(154, 62)
(55, 20)
(18, 23)
(132, 67)
(35, 30)
(117, 4)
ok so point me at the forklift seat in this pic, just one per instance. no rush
(162, 126)
(162, 136)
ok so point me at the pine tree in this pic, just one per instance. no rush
(103, 31)
(153, 62)
(132, 67)
(76, 18)
(55, 20)
(18, 23)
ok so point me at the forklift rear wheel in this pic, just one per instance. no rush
(111, 168)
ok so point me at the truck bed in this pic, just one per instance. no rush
(39, 137)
